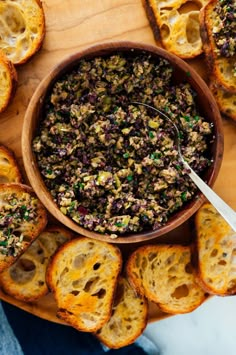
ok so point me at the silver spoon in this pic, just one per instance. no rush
(227, 212)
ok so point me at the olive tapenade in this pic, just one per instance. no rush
(110, 165)
(224, 31)
(14, 212)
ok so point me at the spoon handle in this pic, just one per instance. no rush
(227, 212)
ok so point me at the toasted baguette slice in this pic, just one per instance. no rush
(25, 279)
(8, 81)
(83, 275)
(22, 29)
(9, 170)
(176, 24)
(164, 275)
(22, 218)
(53, 237)
(226, 100)
(216, 252)
(128, 320)
(221, 67)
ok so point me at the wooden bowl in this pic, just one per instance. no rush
(206, 105)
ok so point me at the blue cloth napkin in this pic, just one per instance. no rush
(35, 336)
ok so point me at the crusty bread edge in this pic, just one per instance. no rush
(9, 153)
(14, 79)
(151, 15)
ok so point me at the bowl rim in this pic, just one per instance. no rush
(35, 104)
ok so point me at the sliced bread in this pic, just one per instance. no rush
(22, 219)
(176, 24)
(9, 170)
(216, 252)
(25, 279)
(218, 26)
(8, 80)
(22, 29)
(225, 99)
(128, 320)
(82, 276)
(53, 237)
(164, 274)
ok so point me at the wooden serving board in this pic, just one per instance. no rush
(73, 25)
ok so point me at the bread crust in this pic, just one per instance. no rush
(126, 323)
(11, 80)
(85, 295)
(215, 62)
(29, 230)
(31, 17)
(151, 15)
(171, 286)
(215, 252)
(9, 169)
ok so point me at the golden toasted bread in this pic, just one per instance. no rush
(225, 99)
(8, 80)
(175, 23)
(82, 276)
(22, 29)
(25, 279)
(128, 320)
(216, 252)
(9, 170)
(217, 27)
(22, 219)
(53, 237)
(163, 274)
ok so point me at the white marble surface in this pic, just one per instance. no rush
(209, 330)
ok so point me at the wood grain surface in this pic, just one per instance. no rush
(73, 25)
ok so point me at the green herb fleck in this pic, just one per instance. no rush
(120, 224)
(151, 134)
(178, 167)
(155, 156)
(184, 196)
(126, 155)
(188, 73)
(130, 177)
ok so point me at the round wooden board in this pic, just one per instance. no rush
(74, 25)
